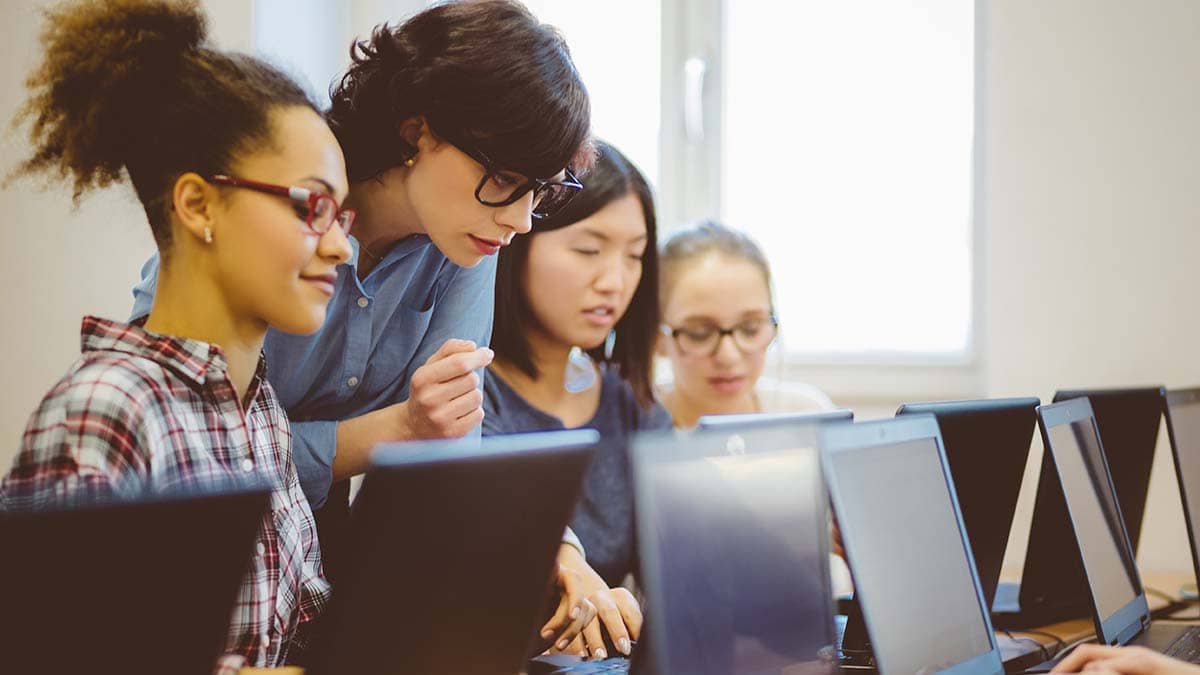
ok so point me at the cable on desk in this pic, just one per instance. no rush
(1161, 594)
(1067, 650)
(1040, 646)
(1060, 644)
(1174, 605)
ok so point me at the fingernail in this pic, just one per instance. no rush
(601, 654)
(623, 645)
(583, 653)
(575, 612)
(562, 644)
(547, 634)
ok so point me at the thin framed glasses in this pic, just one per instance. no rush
(500, 187)
(318, 209)
(750, 336)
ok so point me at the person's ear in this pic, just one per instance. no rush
(194, 202)
(660, 345)
(416, 133)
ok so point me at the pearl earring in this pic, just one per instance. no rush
(410, 161)
(207, 235)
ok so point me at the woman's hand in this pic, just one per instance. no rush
(574, 609)
(616, 611)
(1122, 661)
(444, 399)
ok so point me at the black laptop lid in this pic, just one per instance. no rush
(752, 420)
(1128, 422)
(987, 446)
(144, 587)
(734, 538)
(453, 546)
(907, 547)
(1183, 425)
(1079, 465)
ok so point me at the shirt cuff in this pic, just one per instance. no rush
(570, 539)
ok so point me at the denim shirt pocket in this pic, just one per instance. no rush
(401, 339)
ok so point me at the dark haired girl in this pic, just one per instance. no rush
(241, 180)
(587, 276)
(460, 126)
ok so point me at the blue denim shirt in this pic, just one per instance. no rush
(393, 320)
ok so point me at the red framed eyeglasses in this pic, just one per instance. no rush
(318, 209)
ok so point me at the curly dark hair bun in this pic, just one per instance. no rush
(132, 85)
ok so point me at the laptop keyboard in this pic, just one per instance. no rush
(561, 663)
(1186, 647)
(605, 666)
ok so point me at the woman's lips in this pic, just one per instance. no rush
(486, 246)
(727, 385)
(323, 282)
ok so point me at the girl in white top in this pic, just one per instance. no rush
(718, 321)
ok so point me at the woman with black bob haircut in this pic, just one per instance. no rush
(576, 320)
(461, 126)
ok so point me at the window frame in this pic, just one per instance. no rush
(689, 190)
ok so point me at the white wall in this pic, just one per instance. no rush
(1093, 213)
(60, 263)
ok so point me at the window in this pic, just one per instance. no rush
(616, 47)
(847, 133)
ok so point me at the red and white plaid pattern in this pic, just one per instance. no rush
(140, 411)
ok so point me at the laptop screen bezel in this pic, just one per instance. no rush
(652, 448)
(837, 439)
(1184, 397)
(1128, 620)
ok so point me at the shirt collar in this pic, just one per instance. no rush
(193, 360)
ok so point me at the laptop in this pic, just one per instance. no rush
(751, 420)
(1118, 600)
(1183, 428)
(987, 446)
(734, 541)
(1053, 584)
(130, 587)
(908, 549)
(453, 547)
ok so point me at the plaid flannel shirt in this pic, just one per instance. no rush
(145, 412)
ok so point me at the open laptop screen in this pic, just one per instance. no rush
(1095, 515)
(735, 551)
(909, 558)
(1184, 415)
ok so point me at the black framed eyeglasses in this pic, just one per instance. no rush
(501, 187)
(749, 336)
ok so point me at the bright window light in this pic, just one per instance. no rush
(847, 153)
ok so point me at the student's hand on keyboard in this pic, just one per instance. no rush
(1102, 659)
(574, 609)
(617, 611)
